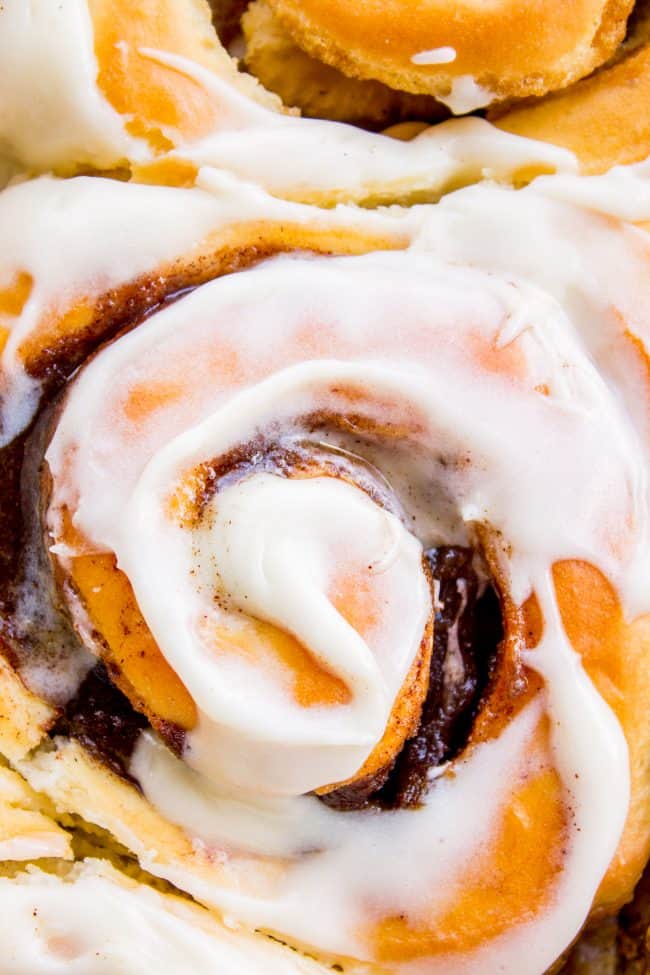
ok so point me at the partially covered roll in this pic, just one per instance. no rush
(326, 623)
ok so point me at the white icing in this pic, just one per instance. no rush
(311, 159)
(623, 192)
(492, 273)
(466, 95)
(540, 273)
(437, 55)
(45, 232)
(95, 922)
(57, 117)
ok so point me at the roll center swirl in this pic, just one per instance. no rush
(305, 605)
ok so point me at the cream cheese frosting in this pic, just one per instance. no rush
(553, 297)
(323, 162)
(466, 95)
(49, 66)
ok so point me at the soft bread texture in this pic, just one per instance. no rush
(28, 830)
(507, 48)
(77, 783)
(24, 717)
(594, 622)
(66, 781)
(162, 105)
(316, 88)
(101, 595)
(208, 238)
(82, 74)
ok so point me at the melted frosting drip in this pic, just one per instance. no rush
(49, 66)
(276, 547)
(466, 95)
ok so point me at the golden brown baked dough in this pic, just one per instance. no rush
(603, 119)
(28, 831)
(508, 48)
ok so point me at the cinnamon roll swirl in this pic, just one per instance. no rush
(331, 575)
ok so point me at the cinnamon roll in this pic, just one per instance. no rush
(88, 916)
(329, 589)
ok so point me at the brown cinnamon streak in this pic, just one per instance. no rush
(467, 631)
(103, 720)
